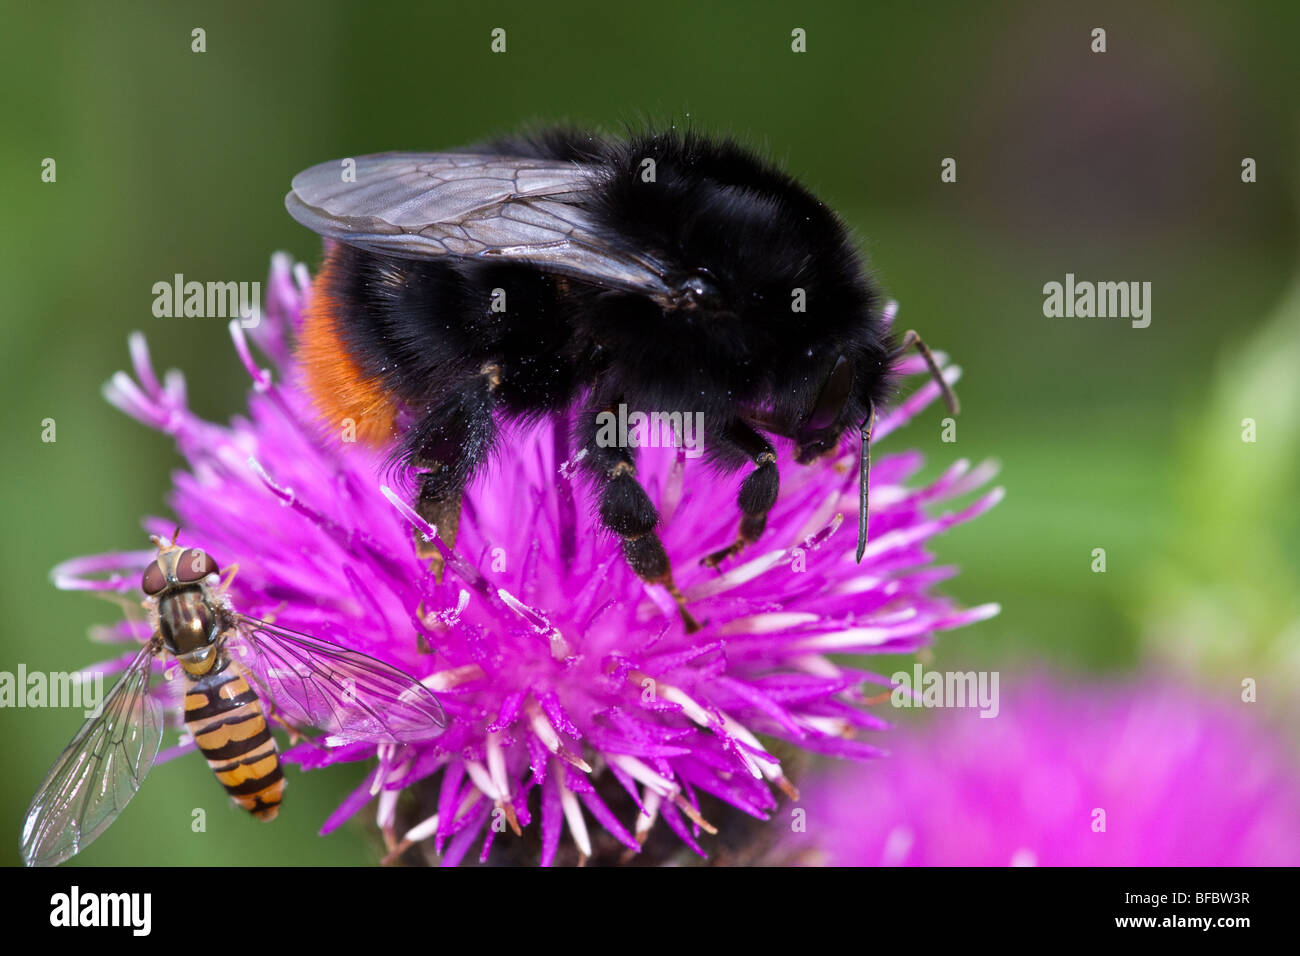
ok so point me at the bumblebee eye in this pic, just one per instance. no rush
(699, 291)
(153, 580)
(830, 403)
(195, 565)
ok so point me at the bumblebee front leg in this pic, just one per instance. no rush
(626, 510)
(757, 492)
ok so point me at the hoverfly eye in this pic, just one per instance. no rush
(153, 580)
(194, 565)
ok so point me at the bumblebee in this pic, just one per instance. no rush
(567, 274)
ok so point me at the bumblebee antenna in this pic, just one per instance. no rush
(949, 396)
(864, 478)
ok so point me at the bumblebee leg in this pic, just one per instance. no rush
(447, 444)
(757, 492)
(626, 510)
(439, 504)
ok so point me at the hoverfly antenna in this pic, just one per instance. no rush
(864, 478)
(176, 535)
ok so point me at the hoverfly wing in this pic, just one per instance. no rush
(98, 772)
(346, 693)
(431, 205)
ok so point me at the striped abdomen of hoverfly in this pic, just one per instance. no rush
(225, 717)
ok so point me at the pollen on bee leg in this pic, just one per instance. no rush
(492, 373)
(437, 563)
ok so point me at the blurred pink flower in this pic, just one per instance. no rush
(1176, 780)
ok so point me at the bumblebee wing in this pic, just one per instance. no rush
(347, 693)
(435, 205)
(98, 773)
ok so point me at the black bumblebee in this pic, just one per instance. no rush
(567, 274)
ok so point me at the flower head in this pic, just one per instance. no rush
(556, 665)
(1147, 774)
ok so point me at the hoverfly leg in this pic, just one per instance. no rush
(910, 340)
(757, 492)
(296, 736)
(228, 577)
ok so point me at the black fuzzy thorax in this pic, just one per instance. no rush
(426, 328)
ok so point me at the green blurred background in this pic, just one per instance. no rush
(1117, 166)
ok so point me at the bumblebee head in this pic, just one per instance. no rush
(762, 288)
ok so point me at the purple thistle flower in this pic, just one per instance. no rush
(1175, 780)
(555, 663)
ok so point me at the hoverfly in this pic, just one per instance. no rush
(310, 681)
